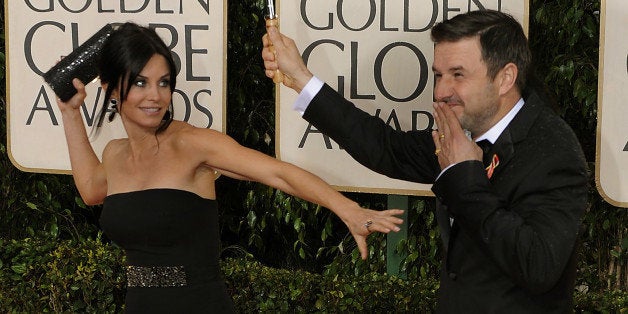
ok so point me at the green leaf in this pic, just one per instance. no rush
(54, 230)
(297, 224)
(251, 218)
(19, 269)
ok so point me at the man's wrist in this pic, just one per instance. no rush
(306, 95)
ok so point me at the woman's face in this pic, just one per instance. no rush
(149, 96)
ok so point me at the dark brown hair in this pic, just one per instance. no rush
(123, 57)
(501, 37)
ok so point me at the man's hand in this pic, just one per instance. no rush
(280, 52)
(452, 145)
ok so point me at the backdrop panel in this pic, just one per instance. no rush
(612, 134)
(378, 54)
(39, 32)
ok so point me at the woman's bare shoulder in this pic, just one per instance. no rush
(115, 146)
(114, 149)
(185, 134)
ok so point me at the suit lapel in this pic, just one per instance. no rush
(515, 132)
(443, 219)
(504, 149)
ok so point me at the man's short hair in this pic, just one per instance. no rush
(501, 37)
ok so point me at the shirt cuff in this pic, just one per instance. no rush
(443, 171)
(307, 94)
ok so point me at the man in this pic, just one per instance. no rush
(510, 224)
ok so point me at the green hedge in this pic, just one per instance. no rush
(45, 275)
(48, 275)
(255, 288)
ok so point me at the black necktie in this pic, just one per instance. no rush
(486, 148)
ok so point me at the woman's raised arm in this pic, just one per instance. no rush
(87, 170)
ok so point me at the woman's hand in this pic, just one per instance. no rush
(362, 222)
(76, 101)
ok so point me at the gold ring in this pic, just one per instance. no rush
(368, 224)
(442, 136)
(437, 151)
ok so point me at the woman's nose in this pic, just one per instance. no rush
(153, 92)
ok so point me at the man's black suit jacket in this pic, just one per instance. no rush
(511, 247)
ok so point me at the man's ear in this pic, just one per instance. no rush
(507, 78)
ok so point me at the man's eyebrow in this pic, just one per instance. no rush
(452, 69)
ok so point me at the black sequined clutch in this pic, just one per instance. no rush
(82, 63)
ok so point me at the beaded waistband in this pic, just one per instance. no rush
(156, 276)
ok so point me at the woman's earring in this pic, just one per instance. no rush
(113, 108)
(168, 114)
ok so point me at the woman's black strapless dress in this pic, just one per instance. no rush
(172, 244)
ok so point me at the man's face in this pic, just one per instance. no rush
(463, 84)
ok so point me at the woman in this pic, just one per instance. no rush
(157, 185)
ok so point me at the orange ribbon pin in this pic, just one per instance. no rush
(492, 166)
